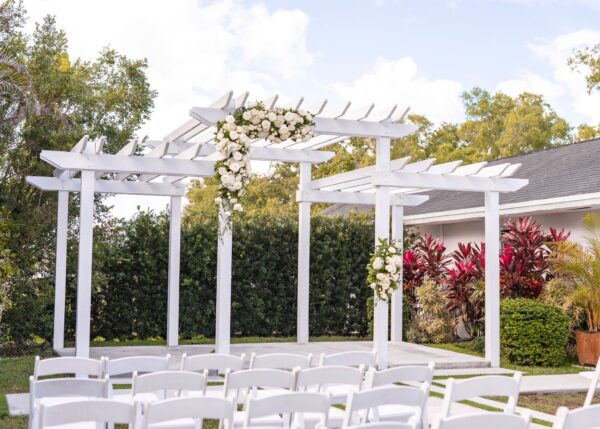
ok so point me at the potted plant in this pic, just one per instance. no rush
(577, 270)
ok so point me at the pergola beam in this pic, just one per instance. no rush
(357, 176)
(348, 127)
(130, 164)
(107, 186)
(289, 155)
(357, 198)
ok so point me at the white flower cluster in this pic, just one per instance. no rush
(233, 138)
(384, 269)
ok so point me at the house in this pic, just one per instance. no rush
(564, 185)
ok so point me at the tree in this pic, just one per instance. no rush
(588, 59)
(587, 132)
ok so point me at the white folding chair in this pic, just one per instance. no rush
(409, 402)
(188, 412)
(61, 390)
(412, 423)
(410, 375)
(292, 406)
(164, 384)
(335, 381)
(593, 386)
(256, 383)
(485, 420)
(287, 361)
(355, 359)
(121, 370)
(580, 418)
(487, 385)
(214, 363)
(68, 365)
(88, 413)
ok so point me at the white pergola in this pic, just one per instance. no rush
(188, 152)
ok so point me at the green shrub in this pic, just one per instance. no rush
(533, 333)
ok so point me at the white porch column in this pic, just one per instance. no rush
(84, 264)
(224, 255)
(174, 266)
(60, 279)
(382, 230)
(303, 257)
(492, 279)
(398, 235)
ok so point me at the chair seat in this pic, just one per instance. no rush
(80, 425)
(174, 424)
(339, 393)
(391, 413)
(240, 416)
(334, 420)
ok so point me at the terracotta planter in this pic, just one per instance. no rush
(588, 347)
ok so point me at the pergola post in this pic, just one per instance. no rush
(303, 256)
(382, 230)
(174, 266)
(84, 264)
(60, 280)
(397, 235)
(224, 256)
(492, 278)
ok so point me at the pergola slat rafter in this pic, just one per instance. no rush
(189, 152)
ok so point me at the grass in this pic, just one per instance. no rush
(466, 347)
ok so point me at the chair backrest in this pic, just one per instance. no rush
(89, 410)
(68, 365)
(162, 382)
(362, 402)
(365, 358)
(580, 418)
(140, 364)
(401, 374)
(593, 386)
(291, 405)
(287, 361)
(249, 380)
(487, 385)
(197, 408)
(412, 423)
(322, 376)
(212, 362)
(485, 420)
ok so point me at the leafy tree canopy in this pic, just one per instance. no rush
(588, 61)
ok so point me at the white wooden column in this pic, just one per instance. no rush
(397, 235)
(303, 257)
(60, 275)
(224, 256)
(382, 230)
(174, 266)
(84, 264)
(492, 278)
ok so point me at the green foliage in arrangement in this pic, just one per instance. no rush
(130, 279)
(533, 333)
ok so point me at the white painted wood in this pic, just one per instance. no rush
(84, 264)
(292, 406)
(161, 382)
(356, 359)
(343, 110)
(595, 379)
(60, 275)
(382, 231)
(171, 412)
(223, 312)
(212, 362)
(470, 169)
(107, 186)
(318, 108)
(323, 125)
(360, 113)
(492, 278)
(511, 170)
(492, 170)
(358, 198)
(287, 361)
(579, 418)
(131, 165)
(289, 155)
(486, 420)
(303, 304)
(79, 413)
(449, 182)
(174, 266)
(398, 236)
(67, 365)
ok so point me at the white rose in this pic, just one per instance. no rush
(233, 200)
(218, 200)
(378, 263)
(271, 116)
(237, 156)
(289, 116)
(237, 207)
(392, 249)
(246, 115)
(233, 135)
(235, 166)
(266, 124)
(222, 171)
(229, 119)
(381, 276)
(390, 268)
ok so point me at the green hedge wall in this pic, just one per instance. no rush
(130, 279)
(533, 333)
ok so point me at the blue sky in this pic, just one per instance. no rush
(422, 54)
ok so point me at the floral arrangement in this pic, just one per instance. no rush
(384, 268)
(234, 135)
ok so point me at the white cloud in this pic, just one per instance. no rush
(563, 88)
(399, 82)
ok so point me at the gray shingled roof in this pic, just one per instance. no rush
(557, 172)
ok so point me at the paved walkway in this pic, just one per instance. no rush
(399, 353)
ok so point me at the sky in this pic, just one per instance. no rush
(421, 54)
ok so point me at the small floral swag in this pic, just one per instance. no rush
(384, 269)
(234, 135)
